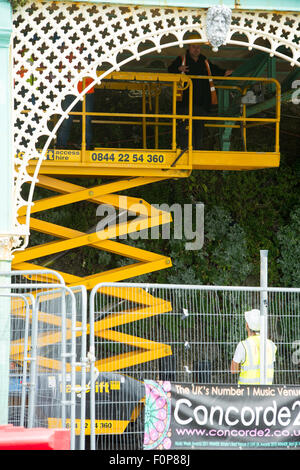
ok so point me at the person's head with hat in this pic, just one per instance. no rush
(194, 48)
(252, 318)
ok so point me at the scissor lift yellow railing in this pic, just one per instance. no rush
(163, 162)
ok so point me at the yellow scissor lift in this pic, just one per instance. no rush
(132, 167)
(129, 168)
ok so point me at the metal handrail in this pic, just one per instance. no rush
(175, 79)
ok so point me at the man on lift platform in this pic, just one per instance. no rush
(204, 93)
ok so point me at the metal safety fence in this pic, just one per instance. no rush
(48, 325)
(88, 374)
(177, 333)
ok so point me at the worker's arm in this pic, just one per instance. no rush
(218, 72)
(235, 367)
(175, 65)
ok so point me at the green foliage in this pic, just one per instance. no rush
(229, 253)
(288, 237)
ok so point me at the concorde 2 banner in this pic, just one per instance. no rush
(190, 416)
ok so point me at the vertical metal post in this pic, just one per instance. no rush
(190, 136)
(73, 371)
(78, 308)
(263, 315)
(174, 122)
(63, 357)
(83, 119)
(278, 112)
(6, 197)
(6, 157)
(92, 371)
(243, 123)
(5, 328)
(26, 358)
(33, 364)
(271, 67)
(156, 118)
(144, 120)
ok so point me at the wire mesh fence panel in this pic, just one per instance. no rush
(185, 334)
(51, 367)
(52, 327)
(80, 377)
(21, 307)
(60, 372)
(284, 329)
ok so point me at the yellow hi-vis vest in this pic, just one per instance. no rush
(250, 369)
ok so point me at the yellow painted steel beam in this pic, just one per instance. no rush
(64, 187)
(132, 294)
(113, 275)
(46, 339)
(105, 245)
(212, 160)
(131, 359)
(130, 316)
(126, 272)
(93, 170)
(91, 238)
(68, 278)
(60, 186)
(151, 350)
(209, 160)
(147, 262)
(68, 198)
(51, 364)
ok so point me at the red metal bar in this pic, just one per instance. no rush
(20, 438)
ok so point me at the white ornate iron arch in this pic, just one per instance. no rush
(47, 65)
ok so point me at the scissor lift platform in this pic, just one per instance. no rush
(128, 162)
(172, 161)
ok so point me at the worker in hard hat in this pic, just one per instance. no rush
(204, 92)
(246, 359)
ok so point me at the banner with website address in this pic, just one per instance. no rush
(191, 416)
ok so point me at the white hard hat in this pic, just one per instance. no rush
(252, 317)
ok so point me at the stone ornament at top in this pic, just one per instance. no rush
(218, 21)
